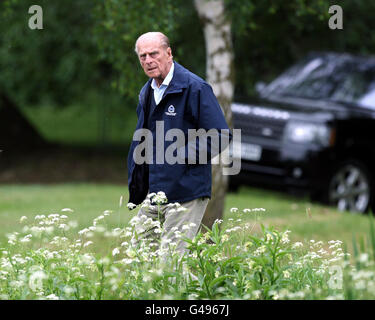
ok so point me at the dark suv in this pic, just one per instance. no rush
(310, 129)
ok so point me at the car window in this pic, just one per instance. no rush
(329, 78)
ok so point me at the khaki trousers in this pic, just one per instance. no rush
(174, 222)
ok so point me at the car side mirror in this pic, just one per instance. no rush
(259, 87)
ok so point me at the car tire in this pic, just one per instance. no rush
(350, 187)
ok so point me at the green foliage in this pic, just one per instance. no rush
(254, 22)
(83, 40)
(57, 63)
(248, 15)
(270, 35)
(88, 45)
(119, 24)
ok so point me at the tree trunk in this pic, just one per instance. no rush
(220, 75)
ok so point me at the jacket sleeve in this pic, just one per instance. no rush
(216, 135)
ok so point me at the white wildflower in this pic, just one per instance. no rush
(130, 253)
(115, 251)
(67, 210)
(146, 203)
(363, 257)
(297, 245)
(23, 219)
(165, 241)
(251, 264)
(286, 274)
(160, 198)
(49, 230)
(158, 230)
(36, 280)
(86, 244)
(225, 238)
(83, 231)
(104, 261)
(285, 237)
(268, 237)
(69, 290)
(360, 285)
(260, 250)
(135, 220)
(131, 206)
(185, 227)
(26, 238)
(193, 296)
(127, 261)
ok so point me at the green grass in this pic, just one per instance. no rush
(84, 124)
(306, 220)
(90, 200)
(87, 200)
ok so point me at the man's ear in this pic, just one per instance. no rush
(169, 52)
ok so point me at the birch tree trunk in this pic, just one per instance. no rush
(220, 75)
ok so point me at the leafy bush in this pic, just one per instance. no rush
(51, 259)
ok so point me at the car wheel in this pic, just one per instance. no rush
(350, 187)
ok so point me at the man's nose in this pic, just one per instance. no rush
(148, 59)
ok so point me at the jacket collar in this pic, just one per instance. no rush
(180, 79)
(166, 81)
(178, 82)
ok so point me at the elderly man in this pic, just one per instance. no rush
(173, 98)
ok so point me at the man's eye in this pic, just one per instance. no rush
(153, 54)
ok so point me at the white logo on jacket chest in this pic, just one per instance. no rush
(171, 110)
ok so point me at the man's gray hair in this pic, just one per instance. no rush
(164, 41)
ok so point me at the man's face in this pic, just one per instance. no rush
(155, 59)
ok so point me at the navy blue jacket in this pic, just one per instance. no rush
(187, 103)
